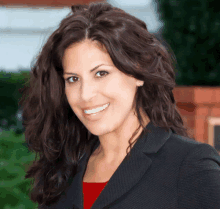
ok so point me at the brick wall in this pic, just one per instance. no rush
(196, 105)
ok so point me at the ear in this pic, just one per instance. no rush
(139, 83)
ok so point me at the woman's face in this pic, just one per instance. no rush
(104, 85)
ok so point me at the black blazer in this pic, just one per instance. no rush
(164, 171)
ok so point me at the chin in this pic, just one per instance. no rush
(99, 131)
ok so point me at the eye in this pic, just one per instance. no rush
(101, 72)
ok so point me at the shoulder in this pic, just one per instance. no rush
(194, 154)
(199, 157)
(184, 142)
(199, 173)
(190, 147)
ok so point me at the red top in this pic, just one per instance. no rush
(91, 191)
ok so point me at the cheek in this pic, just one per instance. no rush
(115, 84)
(123, 89)
(70, 97)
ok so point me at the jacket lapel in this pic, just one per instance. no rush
(127, 175)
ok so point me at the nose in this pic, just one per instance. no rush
(88, 91)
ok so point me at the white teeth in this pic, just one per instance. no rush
(96, 110)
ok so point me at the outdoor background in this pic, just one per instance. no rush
(189, 28)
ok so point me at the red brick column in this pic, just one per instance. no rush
(196, 104)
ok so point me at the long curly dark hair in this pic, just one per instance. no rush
(52, 130)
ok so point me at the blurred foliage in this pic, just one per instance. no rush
(10, 83)
(191, 28)
(15, 159)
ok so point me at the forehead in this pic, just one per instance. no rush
(85, 54)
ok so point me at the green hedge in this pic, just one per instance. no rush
(191, 28)
(15, 159)
(10, 83)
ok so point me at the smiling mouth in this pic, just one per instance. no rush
(96, 110)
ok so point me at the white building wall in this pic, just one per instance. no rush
(23, 31)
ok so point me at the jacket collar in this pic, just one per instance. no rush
(129, 172)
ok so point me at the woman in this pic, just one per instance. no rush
(103, 84)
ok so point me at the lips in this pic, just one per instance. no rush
(96, 116)
(93, 107)
(94, 111)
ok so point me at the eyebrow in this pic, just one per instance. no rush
(90, 70)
